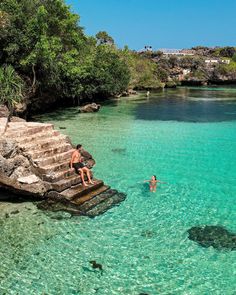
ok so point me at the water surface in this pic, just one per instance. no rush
(187, 137)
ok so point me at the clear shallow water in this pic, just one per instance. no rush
(142, 244)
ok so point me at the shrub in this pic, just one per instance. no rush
(11, 86)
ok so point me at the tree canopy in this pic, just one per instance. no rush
(47, 52)
(44, 43)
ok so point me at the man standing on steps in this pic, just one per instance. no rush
(77, 164)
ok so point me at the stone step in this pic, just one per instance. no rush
(91, 200)
(58, 176)
(51, 156)
(50, 151)
(79, 190)
(88, 197)
(66, 183)
(44, 144)
(106, 205)
(26, 129)
(50, 169)
(38, 136)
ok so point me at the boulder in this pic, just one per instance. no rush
(20, 109)
(15, 167)
(90, 108)
(30, 179)
(132, 92)
(216, 236)
(17, 119)
(8, 148)
(128, 93)
(4, 112)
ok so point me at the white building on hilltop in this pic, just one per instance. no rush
(212, 61)
(183, 52)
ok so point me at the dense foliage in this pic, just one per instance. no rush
(43, 42)
(12, 86)
(144, 73)
(46, 58)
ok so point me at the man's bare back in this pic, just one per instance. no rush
(77, 164)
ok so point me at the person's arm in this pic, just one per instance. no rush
(147, 180)
(80, 158)
(71, 161)
(160, 181)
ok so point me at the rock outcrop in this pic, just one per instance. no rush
(34, 160)
(215, 236)
(90, 108)
(4, 112)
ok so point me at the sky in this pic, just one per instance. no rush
(160, 23)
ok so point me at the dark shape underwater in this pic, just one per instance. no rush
(215, 236)
(119, 150)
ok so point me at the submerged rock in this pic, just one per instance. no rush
(215, 236)
(119, 150)
(96, 265)
(90, 108)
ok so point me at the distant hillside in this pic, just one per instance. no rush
(198, 66)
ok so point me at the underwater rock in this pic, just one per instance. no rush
(96, 265)
(90, 108)
(215, 236)
(55, 204)
(119, 150)
(15, 212)
(147, 233)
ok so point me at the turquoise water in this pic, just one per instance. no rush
(143, 244)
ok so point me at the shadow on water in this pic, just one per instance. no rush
(11, 197)
(187, 111)
(190, 105)
(60, 115)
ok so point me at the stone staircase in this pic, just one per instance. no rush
(49, 152)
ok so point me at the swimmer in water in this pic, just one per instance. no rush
(153, 183)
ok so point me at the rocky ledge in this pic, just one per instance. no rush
(34, 161)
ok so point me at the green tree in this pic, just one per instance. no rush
(234, 57)
(43, 42)
(104, 38)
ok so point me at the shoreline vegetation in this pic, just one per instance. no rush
(47, 61)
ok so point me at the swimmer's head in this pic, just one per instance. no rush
(154, 177)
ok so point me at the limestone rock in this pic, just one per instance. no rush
(20, 108)
(90, 108)
(14, 167)
(3, 125)
(34, 161)
(30, 179)
(4, 112)
(8, 148)
(17, 119)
